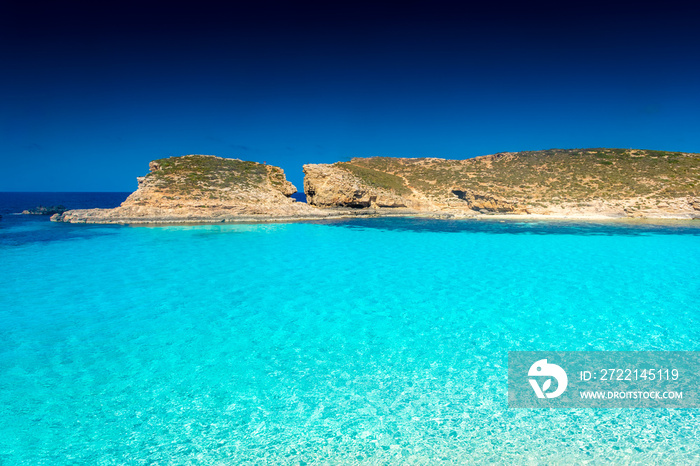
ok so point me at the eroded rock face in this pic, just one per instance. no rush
(328, 186)
(200, 181)
(484, 202)
(200, 188)
(335, 185)
(694, 203)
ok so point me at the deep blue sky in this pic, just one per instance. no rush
(91, 92)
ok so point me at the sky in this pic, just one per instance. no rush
(90, 92)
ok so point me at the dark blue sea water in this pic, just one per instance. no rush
(17, 202)
(373, 341)
(17, 229)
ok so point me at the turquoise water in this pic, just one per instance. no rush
(359, 342)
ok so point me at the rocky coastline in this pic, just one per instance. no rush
(209, 189)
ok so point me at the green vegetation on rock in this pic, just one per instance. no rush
(376, 177)
(207, 173)
(542, 176)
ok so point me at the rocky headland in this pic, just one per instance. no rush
(203, 189)
(576, 183)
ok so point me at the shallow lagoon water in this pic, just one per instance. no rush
(375, 341)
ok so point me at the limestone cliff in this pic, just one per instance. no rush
(574, 183)
(204, 188)
(329, 186)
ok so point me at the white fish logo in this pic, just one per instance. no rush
(542, 369)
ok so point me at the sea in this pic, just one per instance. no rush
(364, 341)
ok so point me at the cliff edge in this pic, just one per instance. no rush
(563, 183)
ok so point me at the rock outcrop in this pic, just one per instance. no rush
(328, 186)
(202, 188)
(562, 183)
(43, 210)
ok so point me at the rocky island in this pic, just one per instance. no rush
(575, 183)
(202, 189)
(44, 210)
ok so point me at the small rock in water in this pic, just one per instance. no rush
(41, 210)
